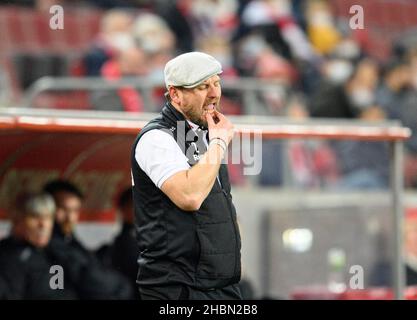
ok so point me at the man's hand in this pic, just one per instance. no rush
(219, 126)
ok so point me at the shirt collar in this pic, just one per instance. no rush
(195, 127)
(192, 125)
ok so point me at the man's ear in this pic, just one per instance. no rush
(173, 93)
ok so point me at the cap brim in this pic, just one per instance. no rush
(190, 86)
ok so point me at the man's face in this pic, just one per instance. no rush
(196, 102)
(68, 211)
(37, 229)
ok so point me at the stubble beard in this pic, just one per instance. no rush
(197, 115)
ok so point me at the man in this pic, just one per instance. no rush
(186, 223)
(68, 199)
(105, 282)
(26, 255)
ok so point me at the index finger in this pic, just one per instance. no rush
(210, 120)
(221, 116)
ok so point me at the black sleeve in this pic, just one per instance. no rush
(12, 280)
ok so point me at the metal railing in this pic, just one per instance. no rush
(248, 87)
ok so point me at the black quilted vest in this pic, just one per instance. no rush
(200, 249)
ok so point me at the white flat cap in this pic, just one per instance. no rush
(190, 69)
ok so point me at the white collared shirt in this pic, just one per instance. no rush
(160, 157)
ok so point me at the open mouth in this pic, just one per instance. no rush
(210, 107)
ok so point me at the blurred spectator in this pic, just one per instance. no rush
(392, 93)
(272, 67)
(68, 199)
(338, 99)
(151, 45)
(312, 163)
(247, 51)
(409, 119)
(398, 96)
(196, 19)
(26, 256)
(114, 37)
(152, 34)
(258, 20)
(219, 48)
(322, 31)
(361, 164)
(364, 164)
(122, 254)
(176, 14)
(273, 19)
(129, 62)
(256, 58)
(213, 17)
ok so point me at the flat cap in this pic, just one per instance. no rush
(190, 69)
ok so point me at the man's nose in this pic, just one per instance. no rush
(42, 223)
(213, 91)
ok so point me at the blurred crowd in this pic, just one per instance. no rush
(321, 66)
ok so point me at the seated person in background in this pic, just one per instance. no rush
(122, 254)
(348, 96)
(68, 199)
(26, 255)
(129, 62)
(114, 36)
